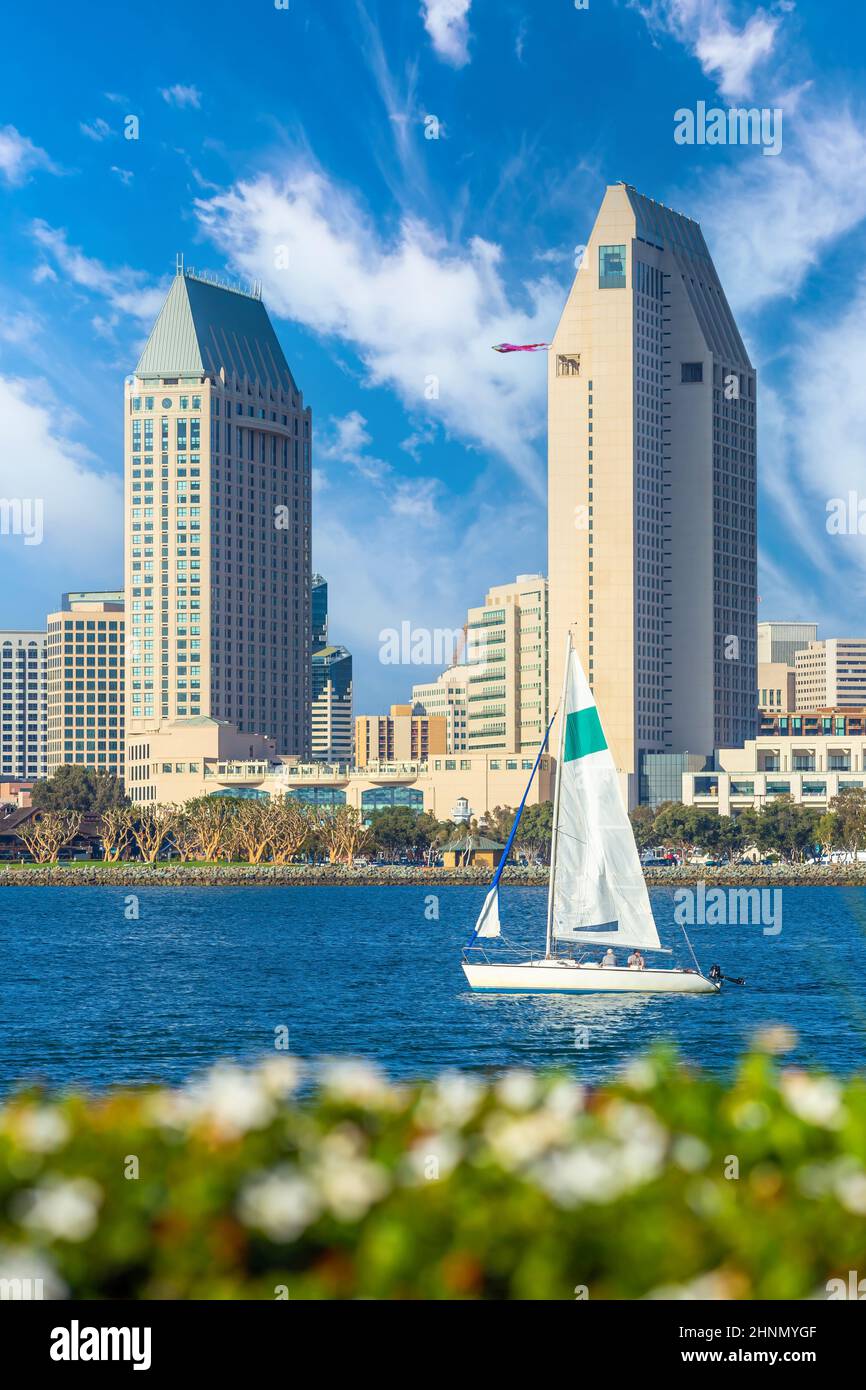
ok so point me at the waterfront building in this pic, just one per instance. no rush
(810, 768)
(652, 489)
(85, 682)
(446, 698)
(204, 757)
(507, 654)
(23, 708)
(217, 443)
(404, 735)
(831, 673)
(841, 721)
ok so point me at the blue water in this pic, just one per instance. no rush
(89, 997)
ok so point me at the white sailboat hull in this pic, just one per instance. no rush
(569, 977)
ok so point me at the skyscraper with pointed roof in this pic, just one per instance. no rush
(652, 489)
(218, 509)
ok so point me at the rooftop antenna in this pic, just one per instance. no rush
(178, 263)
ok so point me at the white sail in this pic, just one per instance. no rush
(599, 894)
(488, 917)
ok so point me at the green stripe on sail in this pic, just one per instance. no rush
(583, 734)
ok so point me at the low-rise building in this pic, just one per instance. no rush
(404, 735)
(810, 768)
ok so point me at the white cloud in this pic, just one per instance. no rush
(771, 218)
(421, 314)
(82, 506)
(19, 156)
(125, 175)
(447, 23)
(19, 328)
(126, 290)
(726, 52)
(97, 130)
(182, 96)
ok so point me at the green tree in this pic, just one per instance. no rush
(643, 819)
(849, 808)
(77, 788)
(395, 829)
(787, 827)
(535, 831)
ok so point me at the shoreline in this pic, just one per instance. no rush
(136, 875)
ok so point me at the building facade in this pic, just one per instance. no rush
(23, 705)
(778, 642)
(446, 698)
(507, 656)
(85, 682)
(218, 508)
(831, 673)
(811, 769)
(777, 687)
(652, 488)
(401, 736)
(332, 705)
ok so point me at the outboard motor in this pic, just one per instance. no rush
(715, 974)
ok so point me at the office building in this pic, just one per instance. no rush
(831, 674)
(23, 713)
(778, 642)
(85, 682)
(446, 698)
(332, 705)
(507, 653)
(218, 508)
(652, 489)
(404, 735)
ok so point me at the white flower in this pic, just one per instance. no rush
(231, 1100)
(815, 1099)
(518, 1140)
(39, 1278)
(641, 1075)
(566, 1099)
(712, 1286)
(432, 1157)
(41, 1128)
(690, 1153)
(776, 1038)
(452, 1100)
(851, 1192)
(517, 1089)
(359, 1082)
(61, 1208)
(280, 1075)
(282, 1203)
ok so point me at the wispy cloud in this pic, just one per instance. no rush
(181, 95)
(727, 52)
(19, 157)
(125, 175)
(126, 290)
(447, 23)
(420, 313)
(97, 130)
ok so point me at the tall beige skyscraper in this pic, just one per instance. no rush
(652, 488)
(218, 507)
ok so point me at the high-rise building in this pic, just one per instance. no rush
(507, 651)
(23, 657)
(403, 736)
(332, 705)
(319, 611)
(652, 488)
(84, 683)
(446, 697)
(831, 674)
(218, 507)
(778, 642)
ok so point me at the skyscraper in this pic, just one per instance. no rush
(23, 657)
(84, 684)
(652, 488)
(218, 506)
(507, 687)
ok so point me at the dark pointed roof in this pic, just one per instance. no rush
(203, 327)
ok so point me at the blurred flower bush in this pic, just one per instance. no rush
(521, 1188)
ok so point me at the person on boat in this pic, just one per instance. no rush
(608, 958)
(636, 960)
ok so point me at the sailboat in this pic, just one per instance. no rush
(597, 895)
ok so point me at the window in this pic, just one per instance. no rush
(692, 371)
(611, 267)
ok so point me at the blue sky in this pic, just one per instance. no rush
(289, 146)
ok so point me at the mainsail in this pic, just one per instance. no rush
(598, 894)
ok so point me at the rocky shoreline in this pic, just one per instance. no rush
(136, 875)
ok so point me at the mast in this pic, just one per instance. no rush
(563, 715)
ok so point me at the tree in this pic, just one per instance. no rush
(292, 823)
(785, 826)
(850, 809)
(77, 788)
(535, 831)
(250, 834)
(395, 828)
(116, 832)
(643, 819)
(343, 833)
(496, 824)
(828, 832)
(208, 820)
(151, 826)
(45, 834)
